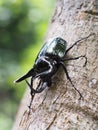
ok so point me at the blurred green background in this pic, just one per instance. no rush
(23, 24)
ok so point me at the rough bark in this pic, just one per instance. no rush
(58, 107)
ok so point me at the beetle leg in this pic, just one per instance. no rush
(32, 97)
(76, 58)
(33, 91)
(82, 39)
(68, 77)
(41, 86)
(30, 84)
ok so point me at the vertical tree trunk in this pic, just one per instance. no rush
(58, 107)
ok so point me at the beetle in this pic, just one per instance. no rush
(52, 55)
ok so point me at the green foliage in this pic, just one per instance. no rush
(23, 24)
(16, 29)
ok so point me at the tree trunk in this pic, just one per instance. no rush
(58, 107)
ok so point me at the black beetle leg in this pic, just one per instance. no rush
(32, 97)
(68, 77)
(82, 39)
(30, 84)
(41, 86)
(76, 58)
(32, 92)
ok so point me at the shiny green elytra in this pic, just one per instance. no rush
(55, 47)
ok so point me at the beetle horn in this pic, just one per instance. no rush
(27, 75)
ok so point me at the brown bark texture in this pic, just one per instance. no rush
(58, 107)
